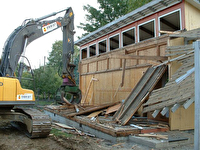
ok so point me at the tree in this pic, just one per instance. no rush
(108, 11)
(134, 4)
(47, 81)
(55, 56)
(55, 59)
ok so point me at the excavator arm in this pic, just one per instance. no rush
(31, 30)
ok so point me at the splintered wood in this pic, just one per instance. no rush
(139, 94)
(174, 92)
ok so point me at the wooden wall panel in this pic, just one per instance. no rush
(131, 62)
(182, 119)
(104, 90)
(192, 14)
(162, 50)
(92, 66)
(84, 68)
(114, 63)
(174, 65)
(102, 65)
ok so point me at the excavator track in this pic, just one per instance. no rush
(32, 122)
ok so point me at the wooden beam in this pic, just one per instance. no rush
(123, 72)
(140, 57)
(88, 88)
(95, 108)
(119, 69)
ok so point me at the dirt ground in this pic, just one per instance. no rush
(12, 138)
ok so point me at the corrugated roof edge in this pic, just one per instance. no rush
(148, 5)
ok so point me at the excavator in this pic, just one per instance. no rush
(12, 96)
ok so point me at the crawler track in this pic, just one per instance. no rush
(31, 121)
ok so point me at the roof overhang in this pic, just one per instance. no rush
(142, 12)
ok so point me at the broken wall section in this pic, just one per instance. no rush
(121, 66)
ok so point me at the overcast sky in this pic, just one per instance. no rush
(14, 12)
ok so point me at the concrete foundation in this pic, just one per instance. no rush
(176, 138)
(85, 128)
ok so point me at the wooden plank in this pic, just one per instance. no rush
(180, 48)
(159, 136)
(193, 34)
(113, 108)
(171, 94)
(119, 69)
(95, 108)
(64, 126)
(94, 114)
(154, 130)
(139, 57)
(168, 102)
(139, 93)
(106, 129)
(123, 72)
(88, 88)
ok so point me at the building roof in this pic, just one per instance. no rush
(142, 12)
(180, 88)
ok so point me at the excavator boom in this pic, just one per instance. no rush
(11, 92)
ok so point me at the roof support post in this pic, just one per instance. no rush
(197, 95)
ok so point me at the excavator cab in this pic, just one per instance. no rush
(12, 94)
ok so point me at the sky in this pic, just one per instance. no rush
(14, 12)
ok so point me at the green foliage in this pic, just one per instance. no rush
(27, 80)
(59, 133)
(47, 80)
(108, 11)
(134, 4)
(55, 57)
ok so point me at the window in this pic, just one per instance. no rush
(170, 21)
(84, 53)
(146, 30)
(114, 42)
(102, 46)
(128, 37)
(92, 50)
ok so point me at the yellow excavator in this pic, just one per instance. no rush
(32, 121)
